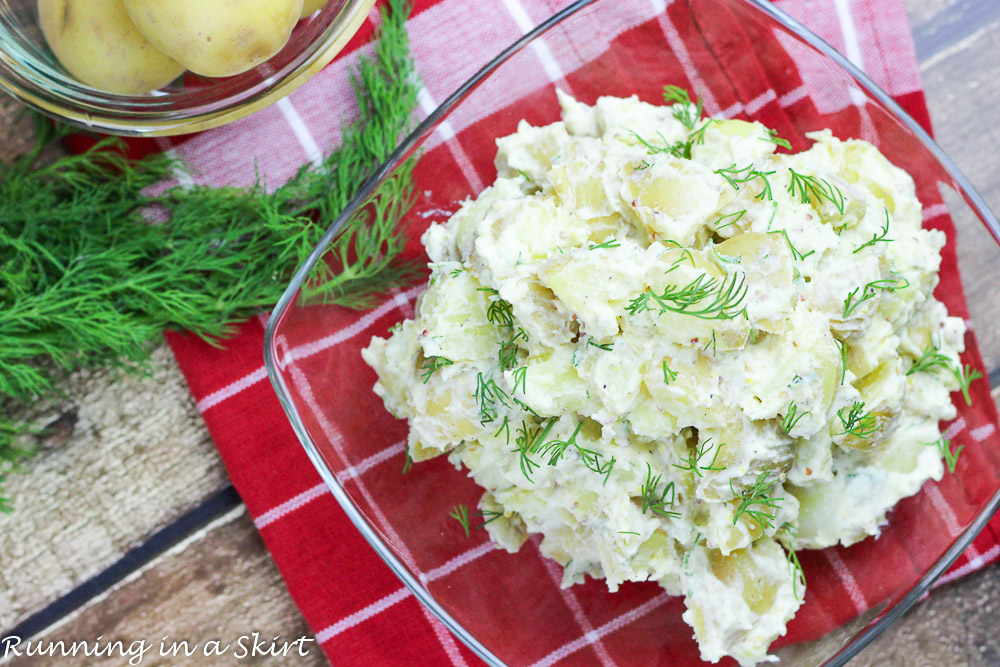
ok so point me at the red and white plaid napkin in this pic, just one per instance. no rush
(359, 610)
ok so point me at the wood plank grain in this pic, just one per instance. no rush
(963, 93)
(220, 585)
(956, 625)
(137, 457)
(940, 24)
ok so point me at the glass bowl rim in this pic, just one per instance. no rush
(972, 198)
(142, 115)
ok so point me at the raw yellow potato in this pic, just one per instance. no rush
(310, 6)
(97, 43)
(216, 37)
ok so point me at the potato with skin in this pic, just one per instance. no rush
(310, 6)
(216, 37)
(96, 41)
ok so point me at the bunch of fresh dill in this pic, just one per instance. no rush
(86, 279)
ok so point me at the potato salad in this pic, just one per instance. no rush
(678, 355)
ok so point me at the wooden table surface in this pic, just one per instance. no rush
(127, 525)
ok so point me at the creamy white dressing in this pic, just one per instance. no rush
(689, 443)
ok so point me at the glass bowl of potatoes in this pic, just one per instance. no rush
(151, 68)
(513, 464)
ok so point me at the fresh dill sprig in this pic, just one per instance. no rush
(930, 359)
(492, 514)
(408, 463)
(498, 311)
(460, 513)
(726, 298)
(554, 449)
(759, 496)
(950, 458)
(735, 218)
(858, 423)
(507, 356)
(528, 441)
(520, 378)
(876, 238)
(810, 187)
(669, 375)
(88, 281)
(794, 566)
(869, 291)
(488, 394)
(772, 137)
(796, 255)
(711, 344)
(683, 108)
(504, 428)
(652, 149)
(965, 375)
(843, 359)
(610, 243)
(735, 176)
(607, 347)
(525, 176)
(432, 364)
(693, 462)
(792, 417)
(655, 500)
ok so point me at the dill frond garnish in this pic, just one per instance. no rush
(792, 417)
(858, 423)
(607, 347)
(431, 365)
(784, 536)
(683, 108)
(693, 462)
(554, 449)
(498, 311)
(965, 375)
(88, 281)
(876, 238)
(732, 219)
(869, 291)
(759, 496)
(520, 378)
(796, 255)
(488, 395)
(504, 428)
(843, 359)
(950, 458)
(930, 359)
(460, 513)
(655, 500)
(811, 187)
(528, 441)
(669, 375)
(507, 356)
(772, 137)
(725, 304)
(610, 243)
(492, 514)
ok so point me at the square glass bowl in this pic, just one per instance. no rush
(745, 59)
